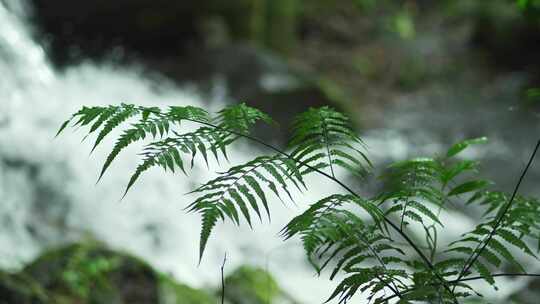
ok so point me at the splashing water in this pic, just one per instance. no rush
(47, 185)
(47, 190)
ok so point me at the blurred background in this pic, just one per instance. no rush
(414, 75)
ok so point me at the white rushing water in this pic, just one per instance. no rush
(48, 194)
(47, 186)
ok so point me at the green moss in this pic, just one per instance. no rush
(90, 273)
(93, 274)
(248, 285)
(171, 292)
(403, 25)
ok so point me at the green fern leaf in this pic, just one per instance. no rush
(323, 137)
(514, 240)
(457, 148)
(505, 253)
(470, 186)
(114, 121)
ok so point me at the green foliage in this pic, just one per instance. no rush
(531, 7)
(171, 292)
(385, 245)
(84, 272)
(247, 285)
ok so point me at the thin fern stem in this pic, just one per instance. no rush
(476, 253)
(390, 285)
(327, 143)
(345, 187)
(223, 279)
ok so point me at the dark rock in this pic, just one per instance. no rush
(155, 28)
(20, 289)
(94, 28)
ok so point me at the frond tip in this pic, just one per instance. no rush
(324, 138)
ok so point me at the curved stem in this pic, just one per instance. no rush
(344, 186)
(223, 279)
(476, 254)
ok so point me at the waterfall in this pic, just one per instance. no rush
(47, 186)
(48, 194)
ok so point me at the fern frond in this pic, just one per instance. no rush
(330, 231)
(241, 118)
(324, 138)
(409, 186)
(137, 132)
(240, 190)
(235, 118)
(167, 153)
(366, 276)
(334, 231)
(112, 118)
(85, 116)
(518, 222)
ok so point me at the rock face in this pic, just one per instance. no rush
(90, 273)
(95, 27)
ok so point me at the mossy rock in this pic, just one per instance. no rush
(90, 273)
(249, 285)
(20, 289)
(172, 292)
